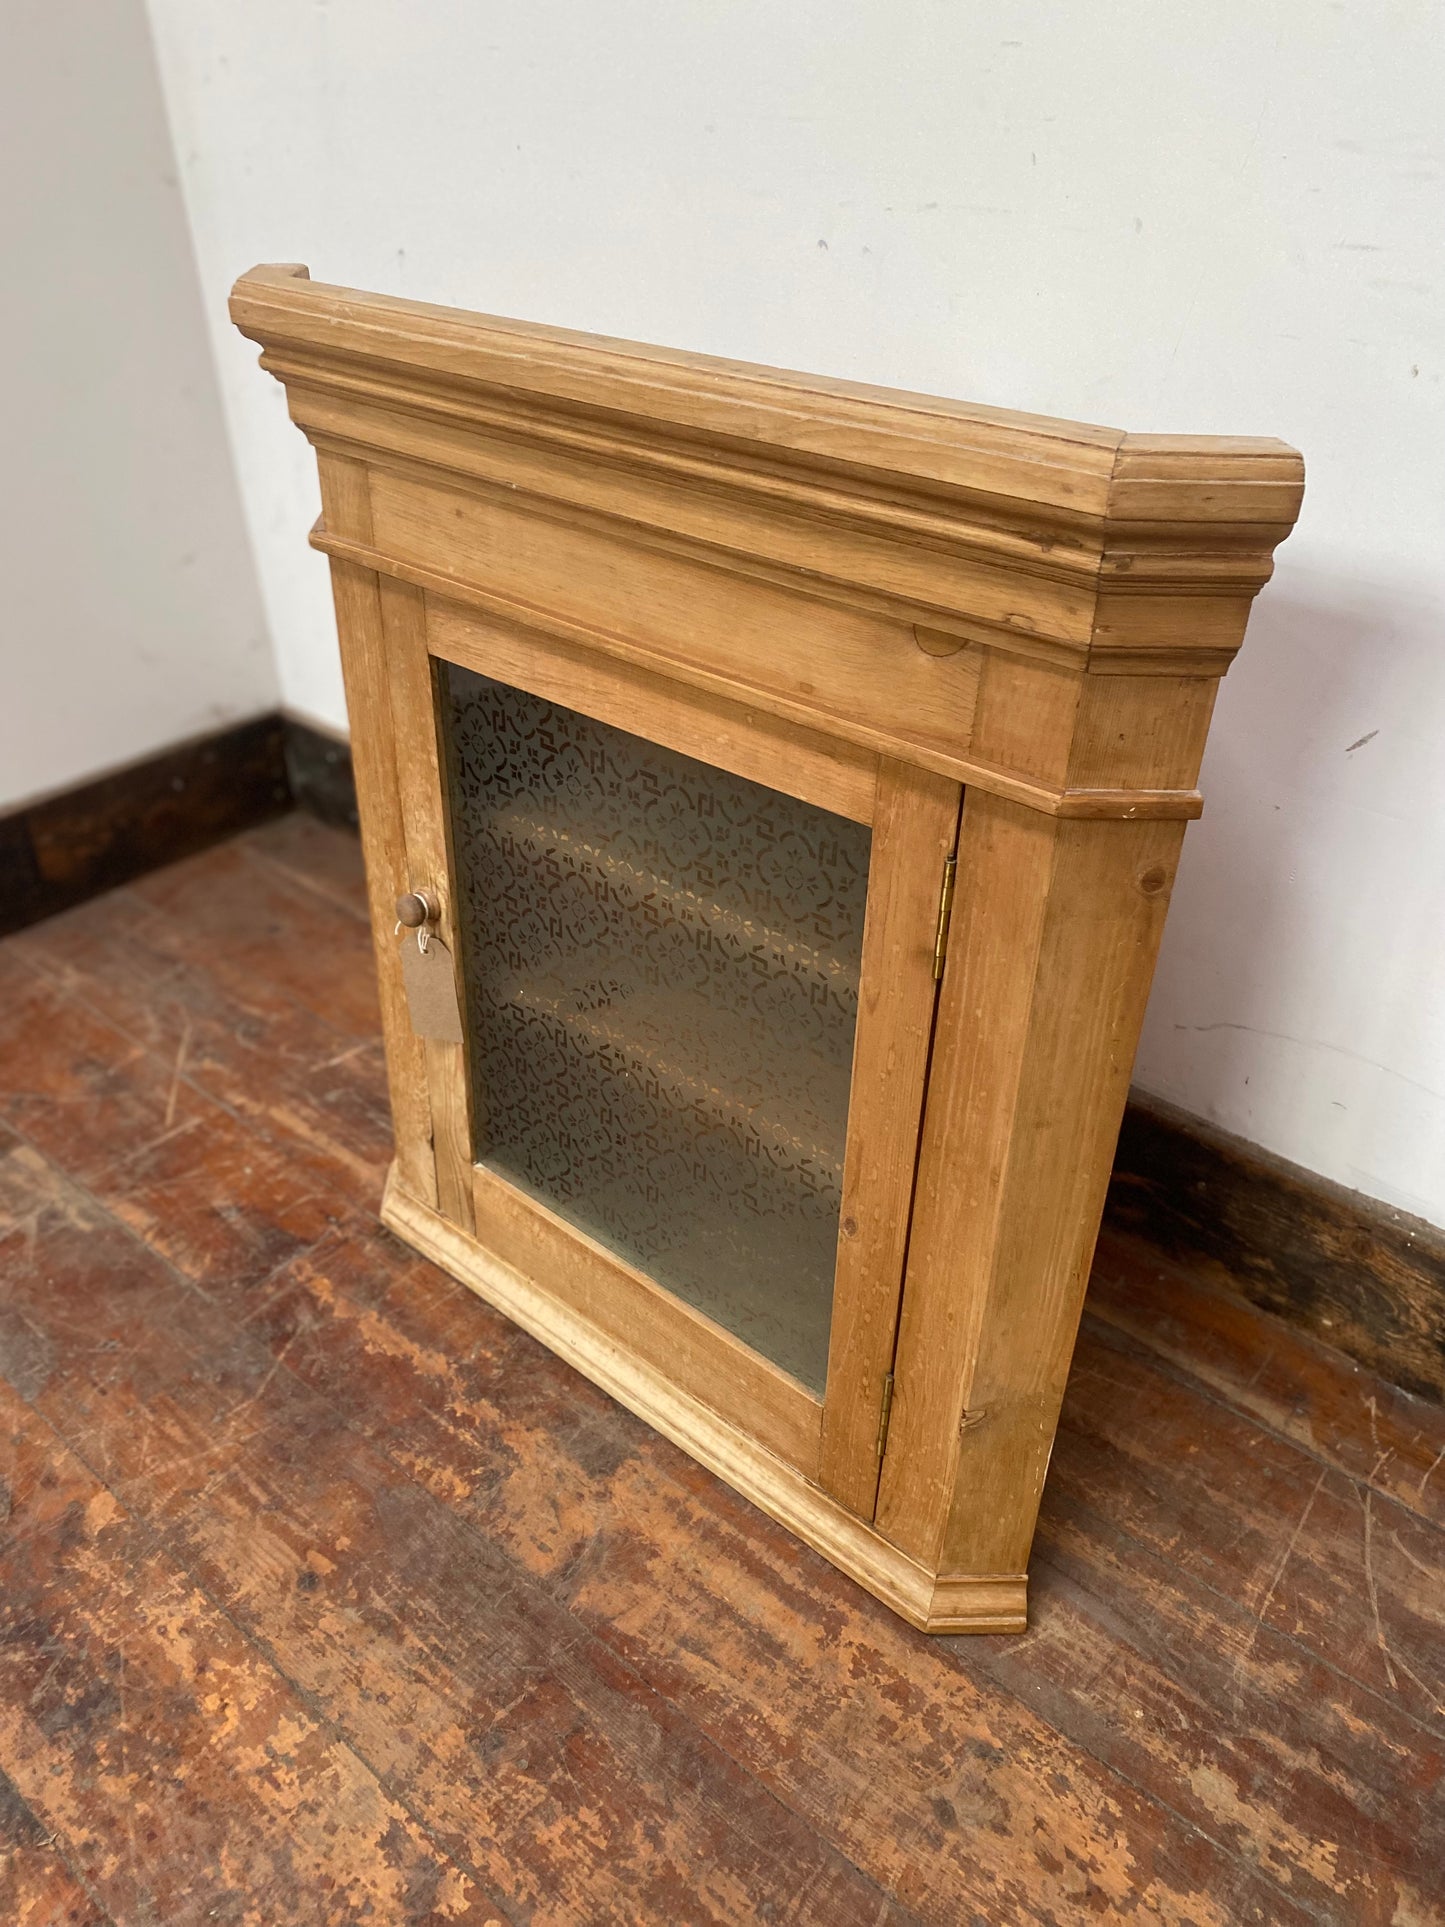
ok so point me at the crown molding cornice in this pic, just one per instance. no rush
(1114, 552)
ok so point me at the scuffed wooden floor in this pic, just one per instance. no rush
(328, 1596)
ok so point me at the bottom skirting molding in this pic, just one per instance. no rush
(1360, 1276)
(68, 847)
(993, 1603)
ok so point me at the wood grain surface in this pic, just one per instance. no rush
(1366, 1278)
(329, 1596)
(1036, 610)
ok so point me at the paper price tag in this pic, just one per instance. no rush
(431, 989)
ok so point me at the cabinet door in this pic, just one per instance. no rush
(696, 951)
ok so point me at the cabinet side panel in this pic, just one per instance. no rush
(1105, 919)
(1005, 857)
(1039, 1032)
(913, 832)
(373, 752)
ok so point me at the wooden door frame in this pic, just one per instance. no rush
(912, 814)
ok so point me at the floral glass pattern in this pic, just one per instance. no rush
(661, 967)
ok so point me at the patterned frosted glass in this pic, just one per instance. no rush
(661, 970)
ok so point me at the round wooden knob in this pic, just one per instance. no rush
(413, 910)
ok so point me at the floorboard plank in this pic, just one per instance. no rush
(37, 1888)
(314, 1090)
(260, 920)
(220, 1201)
(322, 859)
(1376, 1433)
(1328, 1787)
(519, 1740)
(1350, 1575)
(185, 1779)
(682, 1575)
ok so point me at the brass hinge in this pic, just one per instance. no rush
(885, 1415)
(945, 914)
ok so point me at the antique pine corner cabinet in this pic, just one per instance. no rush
(771, 790)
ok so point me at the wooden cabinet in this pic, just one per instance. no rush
(792, 776)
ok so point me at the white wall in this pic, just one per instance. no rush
(132, 617)
(1224, 218)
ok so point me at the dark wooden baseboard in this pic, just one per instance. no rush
(319, 769)
(70, 847)
(1362, 1277)
(1359, 1275)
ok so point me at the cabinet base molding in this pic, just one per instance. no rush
(934, 1603)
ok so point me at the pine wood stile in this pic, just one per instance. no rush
(357, 593)
(913, 833)
(881, 603)
(424, 828)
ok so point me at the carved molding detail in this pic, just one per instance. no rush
(1108, 552)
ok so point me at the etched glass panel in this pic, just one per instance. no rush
(661, 967)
